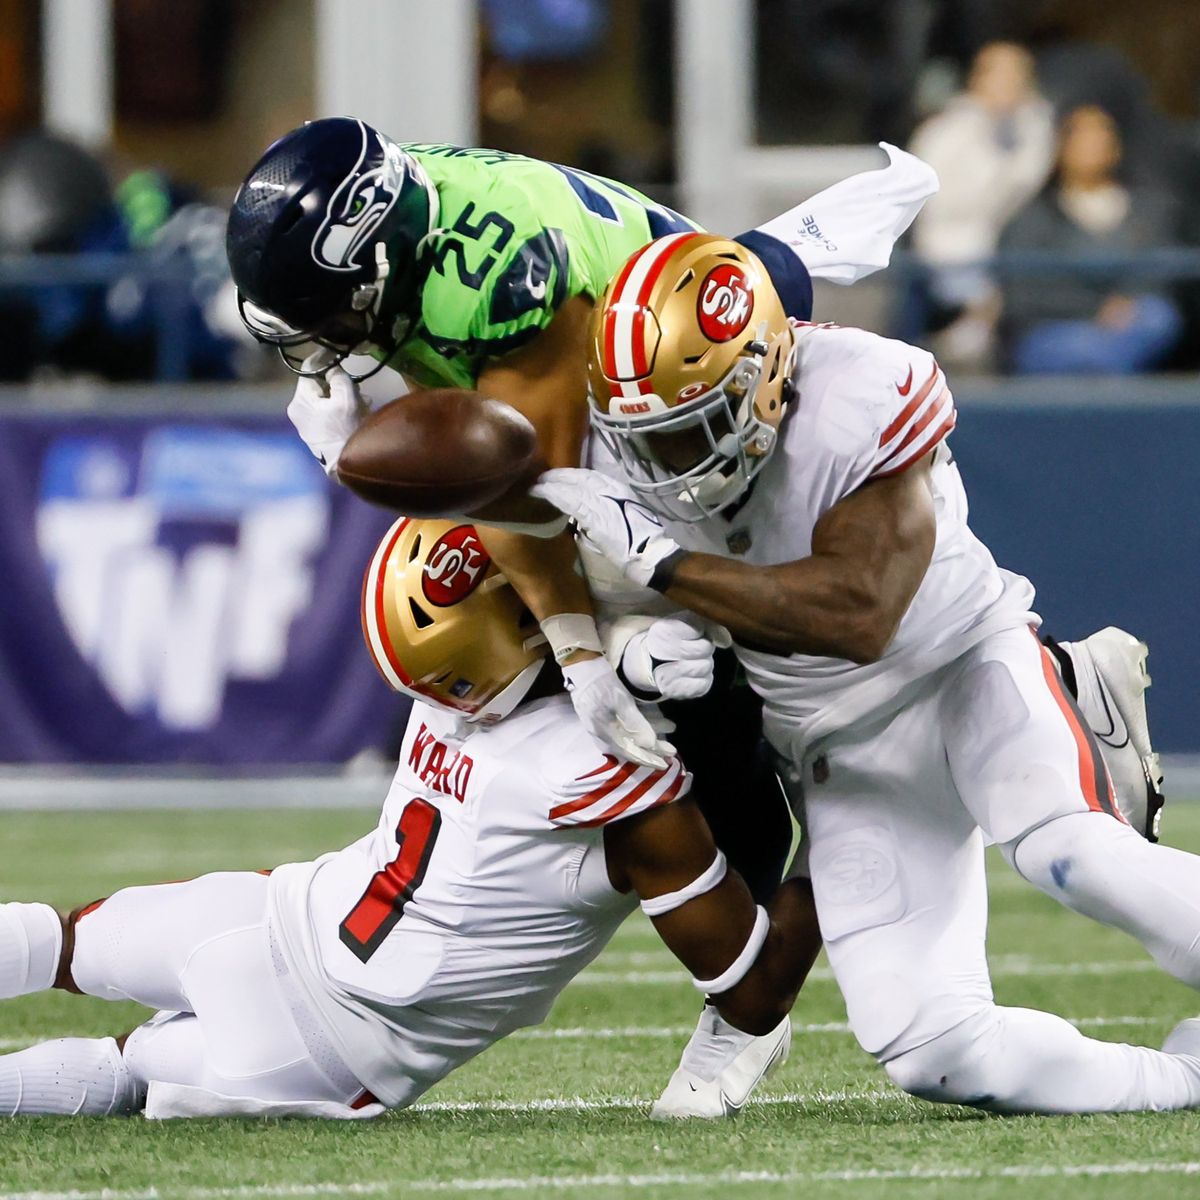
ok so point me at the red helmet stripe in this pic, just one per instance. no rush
(625, 334)
(374, 619)
(610, 357)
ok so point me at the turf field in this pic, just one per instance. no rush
(560, 1110)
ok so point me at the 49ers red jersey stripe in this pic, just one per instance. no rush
(628, 809)
(559, 811)
(922, 435)
(909, 410)
(631, 789)
(918, 450)
(634, 794)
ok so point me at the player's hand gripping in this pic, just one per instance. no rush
(612, 518)
(326, 409)
(672, 658)
(611, 715)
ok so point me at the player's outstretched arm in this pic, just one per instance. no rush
(870, 552)
(750, 961)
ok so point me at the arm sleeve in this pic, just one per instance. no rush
(612, 790)
(919, 414)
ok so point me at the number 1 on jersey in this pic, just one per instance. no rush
(382, 904)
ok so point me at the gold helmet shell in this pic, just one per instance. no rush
(689, 358)
(443, 625)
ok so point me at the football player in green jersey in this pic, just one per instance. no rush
(475, 268)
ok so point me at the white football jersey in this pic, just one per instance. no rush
(866, 407)
(480, 894)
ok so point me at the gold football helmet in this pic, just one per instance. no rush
(689, 361)
(443, 625)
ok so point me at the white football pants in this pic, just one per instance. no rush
(199, 950)
(893, 816)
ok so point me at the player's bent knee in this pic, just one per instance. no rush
(952, 1068)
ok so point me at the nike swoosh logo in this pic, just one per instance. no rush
(536, 290)
(907, 386)
(1117, 734)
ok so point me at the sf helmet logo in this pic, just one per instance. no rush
(359, 206)
(455, 567)
(726, 302)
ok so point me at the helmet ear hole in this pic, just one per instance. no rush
(291, 219)
(420, 617)
(416, 548)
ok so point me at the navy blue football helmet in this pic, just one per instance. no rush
(323, 241)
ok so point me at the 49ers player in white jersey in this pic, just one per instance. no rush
(507, 853)
(792, 483)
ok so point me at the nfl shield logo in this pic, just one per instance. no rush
(738, 541)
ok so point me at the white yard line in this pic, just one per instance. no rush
(617, 1033)
(583, 1183)
(1001, 969)
(627, 1103)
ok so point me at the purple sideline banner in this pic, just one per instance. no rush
(181, 590)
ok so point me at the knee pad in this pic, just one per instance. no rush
(952, 1068)
(1107, 871)
(1069, 852)
(168, 1048)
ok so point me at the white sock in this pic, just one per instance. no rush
(68, 1077)
(30, 946)
(1018, 1060)
(1106, 871)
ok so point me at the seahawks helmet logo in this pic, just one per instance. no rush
(358, 207)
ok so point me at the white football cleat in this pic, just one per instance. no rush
(1111, 677)
(719, 1069)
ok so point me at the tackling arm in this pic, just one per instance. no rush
(870, 552)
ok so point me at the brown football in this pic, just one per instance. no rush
(440, 452)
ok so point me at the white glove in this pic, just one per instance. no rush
(617, 523)
(326, 409)
(611, 715)
(672, 658)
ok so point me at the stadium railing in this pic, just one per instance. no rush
(168, 283)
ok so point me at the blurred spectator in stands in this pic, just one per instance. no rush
(1088, 321)
(992, 147)
(150, 312)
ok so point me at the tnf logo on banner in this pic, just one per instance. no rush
(180, 560)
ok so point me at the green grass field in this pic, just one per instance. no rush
(560, 1110)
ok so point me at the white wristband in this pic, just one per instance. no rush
(656, 906)
(568, 632)
(738, 969)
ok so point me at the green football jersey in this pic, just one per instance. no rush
(514, 238)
